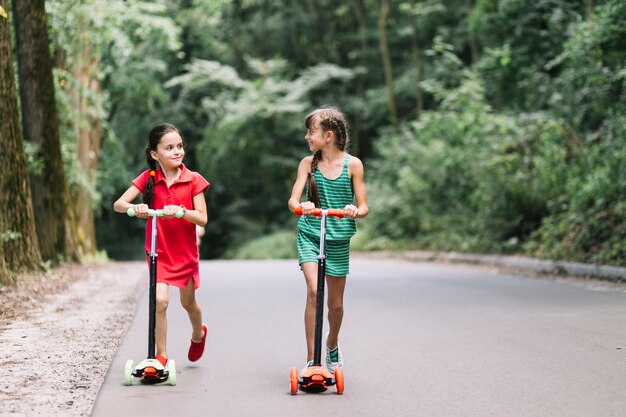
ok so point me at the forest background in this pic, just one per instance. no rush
(486, 126)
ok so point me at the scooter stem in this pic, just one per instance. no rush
(152, 299)
(319, 302)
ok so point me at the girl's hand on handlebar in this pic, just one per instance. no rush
(170, 211)
(141, 210)
(307, 208)
(350, 211)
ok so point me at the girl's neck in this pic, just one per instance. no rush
(171, 174)
(332, 154)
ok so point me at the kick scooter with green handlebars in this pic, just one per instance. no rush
(317, 378)
(150, 370)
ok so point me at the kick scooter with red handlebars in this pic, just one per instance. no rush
(317, 378)
(150, 370)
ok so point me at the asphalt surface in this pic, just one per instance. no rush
(419, 339)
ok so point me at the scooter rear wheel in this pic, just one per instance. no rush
(339, 380)
(293, 376)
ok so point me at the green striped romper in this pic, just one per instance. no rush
(335, 194)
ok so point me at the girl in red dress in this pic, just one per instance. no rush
(170, 186)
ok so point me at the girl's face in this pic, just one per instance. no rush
(170, 151)
(316, 137)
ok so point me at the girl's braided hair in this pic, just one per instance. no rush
(329, 119)
(154, 138)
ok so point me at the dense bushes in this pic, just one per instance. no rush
(464, 178)
(498, 128)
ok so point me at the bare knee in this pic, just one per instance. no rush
(188, 303)
(335, 307)
(161, 303)
(311, 296)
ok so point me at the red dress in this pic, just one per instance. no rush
(177, 250)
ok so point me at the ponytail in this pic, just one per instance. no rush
(148, 192)
(312, 192)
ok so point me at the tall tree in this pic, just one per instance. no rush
(361, 21)
(387, 65)
(589, 9)
(5, 275)
(86, 96)
(473, 41)
(17, 225)
(419, 63)
(89, 134)
(40, 124)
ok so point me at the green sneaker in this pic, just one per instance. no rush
(334, 359)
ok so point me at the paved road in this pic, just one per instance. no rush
(419, 340)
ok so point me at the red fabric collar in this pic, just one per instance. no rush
(185, 175)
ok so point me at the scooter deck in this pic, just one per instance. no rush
(316, 378)
(151, 371)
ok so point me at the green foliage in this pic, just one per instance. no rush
(253, 141)
(589, 221)
(592, 75)
(520, 38)
(483, 179)
(521, 152)
(551, 182)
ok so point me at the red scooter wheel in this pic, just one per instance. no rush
(293, 376)
(339, 380)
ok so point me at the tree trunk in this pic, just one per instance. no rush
(589, 9)
(384, 49)
(40, 124)
(417, 56)
(6, 278)
(473, 42)
(88, 131)
(5, 275)
(355, 147)
(21, 249)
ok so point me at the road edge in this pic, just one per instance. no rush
(516, 263)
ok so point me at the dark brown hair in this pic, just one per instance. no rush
(154, 138)
(329, 119)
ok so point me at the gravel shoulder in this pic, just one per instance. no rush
(59, 333)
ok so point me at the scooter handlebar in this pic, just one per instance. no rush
(318, 212)
(151, 212)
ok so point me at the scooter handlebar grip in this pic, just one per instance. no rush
(318, 212)
(151, 212)
(335, 213)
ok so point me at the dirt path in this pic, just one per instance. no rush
(58, 335)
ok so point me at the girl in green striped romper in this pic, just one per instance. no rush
(334, 179)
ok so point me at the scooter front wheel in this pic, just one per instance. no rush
(128, 372)
(339, 380)
(171, 376)
(293, 376)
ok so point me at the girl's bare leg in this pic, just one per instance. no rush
(160, 333)
(310, 275)
(189, 303)
(336, 287)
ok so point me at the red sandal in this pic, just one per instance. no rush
(161, 359)
(196, 349)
